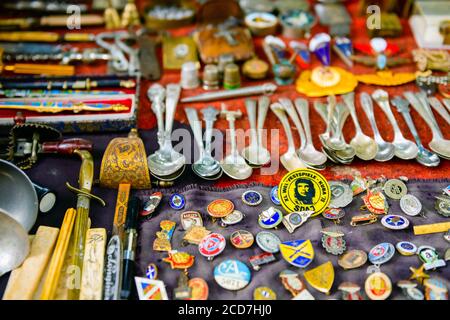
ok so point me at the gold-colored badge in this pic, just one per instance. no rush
(195, 234)
(321, 277)
(304, 190)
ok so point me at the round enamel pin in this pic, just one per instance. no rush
(270, 218)
(395, 222)
(264, 293)
(268, 241)
(395, 189)
(177, 201)
(212, 245)
(235, 217)
(242, 239)
(333, 241)
(341, 194)
(232, 274)
(152, 272)
(406, 248)
(252, 198)
(199, 287)
(299, 253)
(352, 259)
(378, 286)
(304, 190)
(381, 253)
(410, 205)
(220, 208)
(334, 214)
(274, 196)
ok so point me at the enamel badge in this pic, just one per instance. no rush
(212, 245)
(378, 286)
(232, 274)
(299, 253)
(321, 278)
(242, 239)
(148, 289)
(190, 219)
(199, 287)
(304, 190)
(270, 218)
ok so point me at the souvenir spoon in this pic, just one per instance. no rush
(308, 154)
(424, 157)
(205, 166)
(14, 244)
(292, 113)
(437, 144)
(290, 159)
(346, 155)
(253, 153)
(165, 161)
(365, 147)
(330, 141)
(214, 169)
(404, 149)
(437, 105)
(234, 165)
(263, 107)
(386, 150)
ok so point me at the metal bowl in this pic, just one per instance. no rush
(14, 244)
(18, 198)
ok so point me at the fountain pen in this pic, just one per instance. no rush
(129, 248)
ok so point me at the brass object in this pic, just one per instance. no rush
(363, 219)
(169, 14)
(232, 77)
(125, 161)
(431, 228)
(437, 60)
(386, 78)
(255, 69)
(195, 234)
(111, 16)
(178, 50)
(130, 15)
(41, 36)
(347, 83)
(390, 26)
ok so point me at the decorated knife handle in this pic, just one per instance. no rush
(67, 146)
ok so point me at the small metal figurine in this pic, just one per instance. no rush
(130, 15)
(111, 16)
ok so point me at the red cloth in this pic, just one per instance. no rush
(393, 168)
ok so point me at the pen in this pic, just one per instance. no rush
(129, 248)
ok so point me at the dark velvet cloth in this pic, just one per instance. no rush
(54, 171)
(361, 237)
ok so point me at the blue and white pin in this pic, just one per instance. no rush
(274, 196)
(252, 198)
(152, 272)
(177, 201)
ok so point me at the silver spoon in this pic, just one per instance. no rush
(437, 144)
(14, 244)
(331, 141)
(365, 147)
(290, 159)
(404, 149)
(424, 157)
(386, 150)
(437, 105)
(253, 153)
(165, 161)
(292, 113)
(233, 165)
(308, 154)
(263, 107)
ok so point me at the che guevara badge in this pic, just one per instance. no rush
(304, 190)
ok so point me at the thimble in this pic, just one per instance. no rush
(232, 77)
(189, 75)
(210, 77)
(224, 59)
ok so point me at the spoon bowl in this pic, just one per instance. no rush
(14, 244)
(256, 156)
(170, 177)
(235, 167)
(161, 166)
(427, 158)
(365, 147)
(441, 147)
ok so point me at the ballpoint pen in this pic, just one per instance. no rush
(129, 248)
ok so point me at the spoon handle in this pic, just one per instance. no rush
(290, 110)
(419, 107)
(367, 105)
(196, 127)
(349, 100)
(403, 109)
(303, 110)
(232, 129)
(209, 115)
(278, 109)
(250, 105)
(173, 91)
(263, 107)
(437, 105)
(381, 97)
(331, 106)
